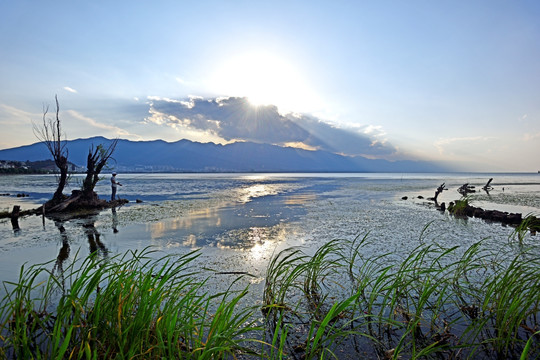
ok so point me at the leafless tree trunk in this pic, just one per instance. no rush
(440, 189)
(96, 160)
(488, 187)
(50, 133)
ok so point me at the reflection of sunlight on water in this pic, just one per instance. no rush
(259, 242)
(251, 192)
(299, 199)
(258, 190)
(258, 251)
(258, 177)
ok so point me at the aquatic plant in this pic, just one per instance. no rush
(529, 223)
(459, 207)
(431, 303)
(342, 300)
(121, 308)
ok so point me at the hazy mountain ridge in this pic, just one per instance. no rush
(189, 156)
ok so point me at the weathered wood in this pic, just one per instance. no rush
(64, 204)
(487, 187)
(439, 190)
(16, 211)
(466, 189)
(15, 217)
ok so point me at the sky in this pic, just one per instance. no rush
(454, 82)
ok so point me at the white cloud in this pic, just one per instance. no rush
(374, 130)
(16, 125)
(13, 116)
(114, 130)
(71, 90)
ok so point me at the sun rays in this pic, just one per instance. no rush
(265, 79)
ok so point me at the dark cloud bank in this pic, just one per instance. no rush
(235, 119)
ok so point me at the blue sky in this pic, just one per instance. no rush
(451, 81)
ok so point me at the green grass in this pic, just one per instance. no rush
(340, 302)
(530, 223)
(431, 303)
(459, 207)
(126, 307)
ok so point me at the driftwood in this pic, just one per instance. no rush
(64, 204)
(15, 217)
(492, 215)
(466, 189)
(439, 190)
(487, 187)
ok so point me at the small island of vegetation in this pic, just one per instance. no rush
(49, 132)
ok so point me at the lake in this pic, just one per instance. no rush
(239, 220)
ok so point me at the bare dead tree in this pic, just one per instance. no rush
(97, 159)
(488, 186)
(50, 134)
(439, 190)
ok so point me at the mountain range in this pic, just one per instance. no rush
(189, 156)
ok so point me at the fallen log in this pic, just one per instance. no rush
(490, 215)
(466, 189)
(64, 204)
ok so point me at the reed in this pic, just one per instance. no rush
(343, 301)
(431, 303)
(530, 223)
(125, 307)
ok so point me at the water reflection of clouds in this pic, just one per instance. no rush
(257, 190)
(253, 239)
(190, 241)
(160, 228)
(240, 222)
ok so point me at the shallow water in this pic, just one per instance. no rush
(239, 220)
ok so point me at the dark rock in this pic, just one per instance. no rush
(138, 201)
(420, 197)
(404, 198)
(514, 219)
(479, 213)
(443, 207)
(498, 216)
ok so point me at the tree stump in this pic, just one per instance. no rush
(15, 217)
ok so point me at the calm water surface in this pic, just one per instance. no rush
(239, 220)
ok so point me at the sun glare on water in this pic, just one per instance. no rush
(265, 79)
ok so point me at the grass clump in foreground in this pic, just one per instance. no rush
(344, 301)
(126, 307)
